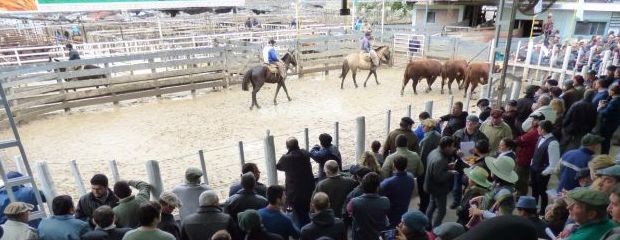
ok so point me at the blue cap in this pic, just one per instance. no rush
(527, 202)
(415, 220)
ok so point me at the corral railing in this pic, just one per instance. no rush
(28, 55)
(43, 88)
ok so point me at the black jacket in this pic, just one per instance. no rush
(88, 203)
(337, 188)
(207, 221)
(580, 118)
(112, 234)
(524, 108)
(323, 224)
(242, 201)
(299, 179)
(169, 225)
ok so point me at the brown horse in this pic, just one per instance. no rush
(477, 73)
(260, 75)
(355, 61)
(453, 70)
(417, 70)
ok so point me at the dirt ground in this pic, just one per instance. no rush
(171, 130)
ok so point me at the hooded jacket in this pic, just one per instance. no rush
(323, 224)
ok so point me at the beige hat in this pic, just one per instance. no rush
(170, 199)
(15, 208)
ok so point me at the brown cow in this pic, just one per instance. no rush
(418, 69)
(453, 70)
(477, 73)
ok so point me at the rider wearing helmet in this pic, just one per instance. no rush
(367, 49)
(270, 56)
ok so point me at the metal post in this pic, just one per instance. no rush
(382, 17)
(466, 107)
(270, 161)
(19, 163)
(605, 62)
(565, 64)
(516, 89)
(203, 166)
(77, 177)
(502, 83)
(428, 107)
(154, 175)
(360, 137)
(241, 154)
(47, 183)
(307, 138)
(514, 66)
(114, 170)
(337, 134)
(528, 59)
(409, 110)
(451, 103)
(388, 117)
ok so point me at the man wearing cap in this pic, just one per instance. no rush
(413, 226)
(270, 56)
(448, 231)
(16, 226)
(575, 161)
(610, 177)
(578, 121)
(169, 201)
(405, 128)
(524, 104)
(526, 146)
(100, 194)
(470, 133)
(526, 207)
(189, 191)
(495, 129)
(367, 49)
(588, 208)
(498, 201)
(478, 185)
(23, 194)
(455, 120)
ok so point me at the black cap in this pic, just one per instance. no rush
(611, 68)
(407, 120)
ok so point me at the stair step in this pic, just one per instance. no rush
(39, 214)
(8, 143)
(18, 181)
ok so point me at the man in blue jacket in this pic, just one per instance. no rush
(398, 189)
(325, 152)
(22, 194)
(367, 48)
(601, 86)
(609, 117)
(270, 56)
(576, 160)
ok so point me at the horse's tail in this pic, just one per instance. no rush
(246, 80)
(345, 68)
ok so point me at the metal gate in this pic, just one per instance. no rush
(408, 46)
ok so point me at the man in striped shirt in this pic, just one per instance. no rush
(100, 194)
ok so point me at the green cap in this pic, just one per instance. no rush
(589, 196)
(613, 171)
(193, 174)
(591, 139)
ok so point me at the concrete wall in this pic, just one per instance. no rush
(444, 14)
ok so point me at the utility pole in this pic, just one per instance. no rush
(498, 26)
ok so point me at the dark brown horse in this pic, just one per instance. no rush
(260, 75)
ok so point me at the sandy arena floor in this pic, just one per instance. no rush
(172, 130)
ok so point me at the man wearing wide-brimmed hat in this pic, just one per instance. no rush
(478, 186)
(16, 226)
(499, 201)
(588, 208)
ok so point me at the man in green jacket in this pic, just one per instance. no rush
(414, 164)
(127, 210)
(588, 208)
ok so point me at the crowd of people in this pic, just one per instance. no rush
(483, 164)
(581, 50)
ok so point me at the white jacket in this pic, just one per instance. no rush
(14, 230)
(547, 111)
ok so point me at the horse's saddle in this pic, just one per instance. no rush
(272, 68)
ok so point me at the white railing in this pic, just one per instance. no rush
(407, 46)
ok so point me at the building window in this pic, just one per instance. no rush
(430, 18)
(590, 28)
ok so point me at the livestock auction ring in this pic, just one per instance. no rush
(171, 130)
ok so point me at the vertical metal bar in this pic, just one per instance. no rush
(114, 170)
(337, 134)
(428, 107)
(241, 154)
(360, 137)
(77, 177)
(270, 160)
(409, 110)
(307, 139)
(154, 175)
(388, 118)
(203, 166)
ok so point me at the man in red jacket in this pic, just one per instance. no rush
(526, 145)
